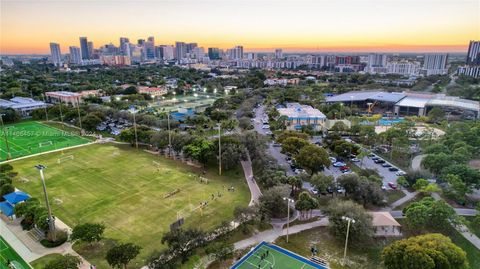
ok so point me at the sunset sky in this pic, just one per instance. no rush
(29, 26)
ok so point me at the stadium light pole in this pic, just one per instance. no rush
(219, 149)
(79, 117)
(5, 135)
(169, 135)
(349, 220)
(288, 212)
(51, 221)
(45, 107)
(351, 105)
(132, 110)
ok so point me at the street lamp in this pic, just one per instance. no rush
(133, 111)
(51, 221)
(289, 200)
(346, 239)
(5, 135)
(219, 149)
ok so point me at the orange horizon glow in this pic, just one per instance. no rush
(320, 26)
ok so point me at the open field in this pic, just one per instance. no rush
(8, 255)
(41, 262)
(185, 102)
(32, 137)
(124, 189)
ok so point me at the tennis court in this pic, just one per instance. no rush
(27, 138)
(8, 255)
(269, 256)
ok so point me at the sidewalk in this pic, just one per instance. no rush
(29, 249)
(252, 184)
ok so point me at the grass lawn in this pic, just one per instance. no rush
(9, 255)
(331, 249)
(124, 189)
(30, 137)
(473, 228)
(394, 195)
(41, 262)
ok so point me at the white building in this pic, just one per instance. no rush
(278, 53)
(376, 63)
(302, 115)
(56, 54)
(403, 68)
(435, 64)
(22, 105)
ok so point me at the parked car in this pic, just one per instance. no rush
(333, 159)
(372, 155)
(339, 164)
(277, 145)
(375, 158)
(314, 191)
(392, 185)
(386, 165)
(400, 173)
(265, 126)
(379, 161)
(393, 169)
(384, 187)
(355, 160)
(344, 168)
(268, 132)
(341, 190)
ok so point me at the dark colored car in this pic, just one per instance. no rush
(376, 158)
(393, 169)
(379, 161)
(386, 165)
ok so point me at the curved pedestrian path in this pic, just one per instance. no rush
(252, 184)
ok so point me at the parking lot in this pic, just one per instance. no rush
(275, 152)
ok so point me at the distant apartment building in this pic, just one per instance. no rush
(180, 50)
(214, 53)
(56, 54)
(435, 64)
(75, 55)
(152, 91)
(472, 67)
(405, 68)
(281, 81)
(115, 60)
(278, 53)
(376, 63)
(235, 53)
(302, 115)
(149, 48)
(65, 97)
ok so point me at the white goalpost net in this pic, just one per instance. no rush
(44, 144)
(65, 158)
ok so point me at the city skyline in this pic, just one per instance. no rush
(307, 26)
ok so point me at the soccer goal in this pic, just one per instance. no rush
(65, 158)
(44, 144)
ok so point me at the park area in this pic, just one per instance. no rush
(137, 195)
(185, 102)
(8, 257)
(31, 137)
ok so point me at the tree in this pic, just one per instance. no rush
(429, 213)
(221, 250)
(182, 242)
(457, 188)
(272, 204)
(339, 127)
(420, 184)
(436, 162)
(91, 121)
(67, 261)
(322, 182)
(436, 114)
(286, 134)
(6, 189)
(119, 256)
(293, 145)
(305, 203)
(88, 232)
(313, 158)
(200, 149)
(360, 231)
(429, 251)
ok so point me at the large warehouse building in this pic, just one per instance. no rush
(407, 103)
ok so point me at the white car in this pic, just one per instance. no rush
(268, 132)
(333, 159)
(314, 191)
(266, 126)
(355, 160)
(339, 164)
(400, 173)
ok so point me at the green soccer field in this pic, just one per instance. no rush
(8, 255)
(124, 188)
(27, 138)
(268, 256)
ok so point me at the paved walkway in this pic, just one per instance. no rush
(252, 184)
(408, 196)
(272, 234)
(417, 162)
(28, 248)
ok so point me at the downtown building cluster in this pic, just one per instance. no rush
(184, 53)
(472, 64)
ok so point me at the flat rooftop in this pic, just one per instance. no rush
(63, 94)
(296, 110)
(381, 96)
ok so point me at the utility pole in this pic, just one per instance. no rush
(288, 212)
(45, 107)
(219, 150)
(169, 136)
(346, 239)
(79, 117)
(51, 221)
(132, 109)
(5, 135)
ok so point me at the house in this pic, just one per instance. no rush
(302, 115)
(384, 225)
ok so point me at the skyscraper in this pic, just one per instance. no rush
(123, 45)
(150, 48)
(56, 54)
(180, 50)
(90, 49)
(236, 53)
(278, 53)
(435, 64)
(75, 55)
(377, 60)
(191, 46)
(214, 53)
(84, 48)
(473, 55)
